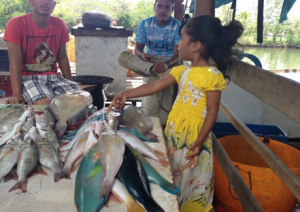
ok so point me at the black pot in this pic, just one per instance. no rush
(92, 79)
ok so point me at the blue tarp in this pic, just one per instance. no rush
(286, 6)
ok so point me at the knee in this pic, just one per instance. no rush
(124, 56)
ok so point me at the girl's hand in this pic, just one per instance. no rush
(118, 101)
(194, 156)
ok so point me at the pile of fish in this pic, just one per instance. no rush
(29, 139)
(108, 150)
(115, 163)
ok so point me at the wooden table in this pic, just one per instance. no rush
(45, 195)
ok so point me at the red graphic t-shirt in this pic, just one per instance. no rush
(39, 46)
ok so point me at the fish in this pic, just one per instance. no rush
(68, 146)
(12, 175)
(47, 133)
(74, 154)
(16, 128)
(134, 177)
(120, 191)
(143, 148)
(9, 120)
(9, 155)
(134, 117)
(89, 178)
(70, 108)
(110, 149)
(29, 122)
(46, 118)
(28, 159)
(137, 134)
(47, 155)
(153, 176)
(94, 134)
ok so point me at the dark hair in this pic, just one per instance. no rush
(217, 39)
(171, 1)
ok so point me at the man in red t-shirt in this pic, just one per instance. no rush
(36, 43)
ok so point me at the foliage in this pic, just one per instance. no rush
(129, 15)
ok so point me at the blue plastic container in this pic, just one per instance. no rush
(274, 132)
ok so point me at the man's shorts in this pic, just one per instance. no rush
(45, 86)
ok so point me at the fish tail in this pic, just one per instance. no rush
(40, 170)
(20, 185)
(64, 174)
(169, 187)
(106, 187)
(163, 162)
(60, 128)
(60, 175)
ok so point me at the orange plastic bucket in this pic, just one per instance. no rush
(268, 189)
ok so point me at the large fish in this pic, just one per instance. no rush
(153, 176)
(88, 181)
(151, 138)
(110, 150)
(142, 147)
(134, 177)
(120, 191)
(70, 108)
(28, 159)
(9, 155)
(48, 156)
(134, 117)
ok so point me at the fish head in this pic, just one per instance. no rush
(97, 128)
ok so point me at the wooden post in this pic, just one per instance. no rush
(178, 10)
(204, 7)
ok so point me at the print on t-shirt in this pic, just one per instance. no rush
(40, 54)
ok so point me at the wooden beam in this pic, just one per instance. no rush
(280, 169)
(204, 7)
(178, 10)
(281, 93)
(241, 189)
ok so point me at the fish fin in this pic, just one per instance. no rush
(163, 162)
(95, 170)
(154, 140)
(72, 127)
(60, 175)
(65, 174)
(106, 187)
(20, 185)
(75, 165)
(150, 135)
(112, 198)
(134, 206)
(60, 128)
(40, 170)
(12, 175)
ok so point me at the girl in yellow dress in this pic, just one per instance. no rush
(196, 107)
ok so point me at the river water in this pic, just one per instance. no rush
(275, 58)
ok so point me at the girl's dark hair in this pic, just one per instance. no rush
(217, 39)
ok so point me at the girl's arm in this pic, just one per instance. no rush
(212, 105)
(144, 90)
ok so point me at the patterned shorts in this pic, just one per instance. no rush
(45, 86)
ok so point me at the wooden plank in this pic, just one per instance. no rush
(45, 195)
(280, 169)
(204, 7)
(241, 189)
(279, 92)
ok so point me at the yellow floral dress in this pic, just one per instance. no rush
(184, 123)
